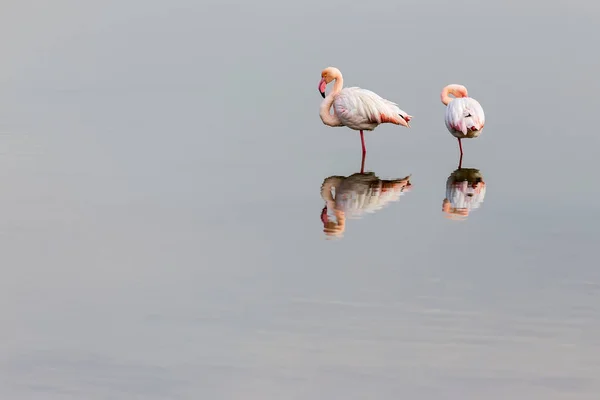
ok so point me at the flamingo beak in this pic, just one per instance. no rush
(322, 86)
(476, 126)
(405, 120)
(324, 218)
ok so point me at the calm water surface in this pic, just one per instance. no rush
(162, 231)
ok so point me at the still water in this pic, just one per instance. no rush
(168, 230)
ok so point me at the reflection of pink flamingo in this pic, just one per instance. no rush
(356, 108)
(465, 191)
(353, 196)
(464, 115)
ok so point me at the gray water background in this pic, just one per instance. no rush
(160, 168)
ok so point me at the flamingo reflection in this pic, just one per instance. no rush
(465, 191)
(354, 196)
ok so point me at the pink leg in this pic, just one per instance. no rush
(362, 164)
(461, 154)
(362, 139)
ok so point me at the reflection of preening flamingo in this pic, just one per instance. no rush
(464, 115)
(356, 108)
(356, 195)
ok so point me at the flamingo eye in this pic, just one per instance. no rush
(468, 115)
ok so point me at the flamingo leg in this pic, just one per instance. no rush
(461, 154)
(362, 164)
(362, 139)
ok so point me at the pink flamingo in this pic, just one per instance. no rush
(356, 108)
(464, 115)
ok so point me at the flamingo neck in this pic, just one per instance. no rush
(455, 90)
(338, 227)
(339, 84)
(327, 118)
(328, 184)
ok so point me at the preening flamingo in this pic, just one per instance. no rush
(464, 115)
(356, 108)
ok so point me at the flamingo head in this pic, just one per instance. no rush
(327, 75)
(405, 119)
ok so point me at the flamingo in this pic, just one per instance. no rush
(464, 115)
(356, 108)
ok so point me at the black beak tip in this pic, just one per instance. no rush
(322, 94)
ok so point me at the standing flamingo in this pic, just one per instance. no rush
(356, 108)
(464, 115)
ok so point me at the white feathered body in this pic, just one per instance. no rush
(465, 117)
(362, 109)
(463, 195)
(364, 193)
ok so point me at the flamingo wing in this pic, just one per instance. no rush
(464, 114)
(361, 106)
(365, 193)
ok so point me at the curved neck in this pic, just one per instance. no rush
(326, 117)
(339, 84)
(445, 98)
(338, 227)
(328, 184)
(455, 90)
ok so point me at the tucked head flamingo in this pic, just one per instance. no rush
(464, 115)
(356, 108)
